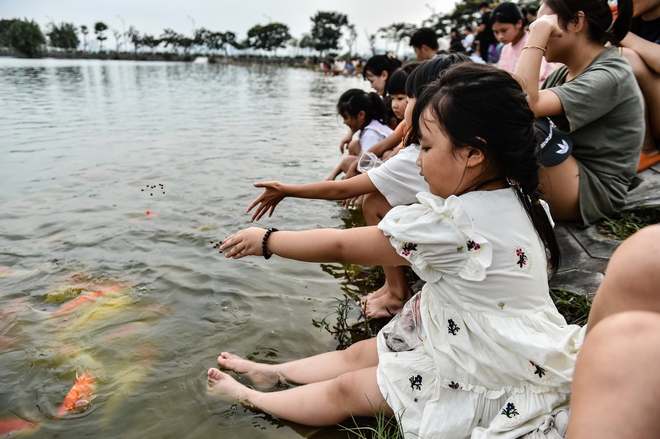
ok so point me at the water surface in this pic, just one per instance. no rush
(78, 141)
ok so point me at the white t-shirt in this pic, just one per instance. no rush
(398, 179)
(467, 42)
(373, 133)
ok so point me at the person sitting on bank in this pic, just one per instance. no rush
(425, 43)
(641, 47)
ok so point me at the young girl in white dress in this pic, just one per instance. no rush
(481, 351)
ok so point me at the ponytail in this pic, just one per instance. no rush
(506, 137)
(355, 100)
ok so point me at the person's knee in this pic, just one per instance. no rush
(617, 339)
(354, 147)
(625, 329)
(639, 67)
(639, 254)
(375, 206)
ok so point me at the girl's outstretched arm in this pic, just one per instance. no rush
(542, 102)
(360, 245)
(274, 192)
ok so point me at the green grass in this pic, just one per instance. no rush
(627, 222)
(574, 307)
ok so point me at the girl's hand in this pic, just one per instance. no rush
(268, 199)
(246, 242)
(547, 23)
(343, 144)
(350, 203)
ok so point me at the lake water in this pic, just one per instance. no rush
(79, 140)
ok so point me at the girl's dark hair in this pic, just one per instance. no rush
(355, 100)
(396, 84)
(598, 16)
(508, 12)
(429, 71)
(389, 117)
(378, 64)
(480, 106)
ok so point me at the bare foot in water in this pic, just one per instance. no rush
(263, 376)
(385, 289)
(222, 385)
(383, 306)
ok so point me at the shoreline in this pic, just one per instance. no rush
(171, 57)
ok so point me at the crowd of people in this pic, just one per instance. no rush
(462, 181)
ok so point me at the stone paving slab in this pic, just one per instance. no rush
(585, 252)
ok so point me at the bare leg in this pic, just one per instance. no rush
(616, 392)
(561, 186)
(632, 279)
(343, 166)
(354, 147)
(354, 393)
(314, 369)
(649, 83)
(395, 293)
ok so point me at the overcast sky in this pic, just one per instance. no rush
(222, 15)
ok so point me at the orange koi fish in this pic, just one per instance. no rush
(80, 396)
(14, 425)
(87, 298)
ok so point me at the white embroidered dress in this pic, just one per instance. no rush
(481, 351)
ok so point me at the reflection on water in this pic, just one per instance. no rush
(79, 141)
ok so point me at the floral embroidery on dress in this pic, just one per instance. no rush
(521, 258)
(415, 382)
(407, 248)
(453, 385)
(539, 370)
(452, 327)
(510, 410)
(471, 245)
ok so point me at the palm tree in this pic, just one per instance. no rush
(99, 28)
(84, 31)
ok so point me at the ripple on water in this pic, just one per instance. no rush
(82, 139)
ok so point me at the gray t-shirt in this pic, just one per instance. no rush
(604, 117)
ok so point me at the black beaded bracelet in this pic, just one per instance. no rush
(263, 243)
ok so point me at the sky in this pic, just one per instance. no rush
(222, 15)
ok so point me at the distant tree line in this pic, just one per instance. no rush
(327, 30)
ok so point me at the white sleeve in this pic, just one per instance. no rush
(437, 237)
(398, 178)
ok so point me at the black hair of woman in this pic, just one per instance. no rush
(467, 103)
(598, 16)
(508, 12)
(378, 64)
(352, 101)
(397, 83)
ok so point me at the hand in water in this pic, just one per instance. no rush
(246, 242)
(267, 201)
